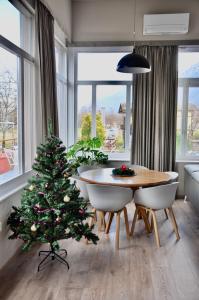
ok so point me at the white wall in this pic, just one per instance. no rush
(61, 11)
(7, 247)
(112, 20)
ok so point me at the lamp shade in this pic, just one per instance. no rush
(133, 63)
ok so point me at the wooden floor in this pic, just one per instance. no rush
(137, 271)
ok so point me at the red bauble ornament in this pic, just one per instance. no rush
(82, 211)
(123, 167)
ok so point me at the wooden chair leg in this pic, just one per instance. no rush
(117, 235)
(95, 215)
(99, 220)
(146, 221)
(156, 228)
(152, 225)
(104, 220)
(165, 211)
(139, 215)
(134, 221)
(91, 220)
(108, 225)
(174, 223)
(126, 222)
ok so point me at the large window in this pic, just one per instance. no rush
(103, 101)
(16, 90)
(188, 104)
(61, 70)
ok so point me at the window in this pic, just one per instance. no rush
(16, 91)
(103, 101)
(188, 104)
(61, 70)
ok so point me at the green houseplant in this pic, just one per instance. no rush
(86, 153)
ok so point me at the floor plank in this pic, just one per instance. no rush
(137, 271)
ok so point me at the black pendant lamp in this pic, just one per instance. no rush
(133, 63)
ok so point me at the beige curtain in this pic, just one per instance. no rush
(155, 110)
(45, 32)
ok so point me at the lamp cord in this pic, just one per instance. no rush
(134, 25)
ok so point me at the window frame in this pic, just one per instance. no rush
(63, 80)
(94, 83)
(14, 183)
(185, 83)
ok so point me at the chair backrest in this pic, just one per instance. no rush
(174, 176)
(108, 198)
(84, 168)
(81, 185)
(158, 197)
(137, 167)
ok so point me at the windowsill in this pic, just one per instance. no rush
(188, 160)
(14, 185)
(125, 156)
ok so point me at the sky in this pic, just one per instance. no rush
(9, 28)
(9, 22)
(100, 66)
(187, 59)
(91, 66)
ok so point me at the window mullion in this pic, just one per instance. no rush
(21, 121)
(185, 104)
(127, 117)
(93, 127)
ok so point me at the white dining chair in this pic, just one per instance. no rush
(133, 166)
(153, 199)
(80, 185)
(84, 168)
(173, 178)
(173, 175)
(113, 200)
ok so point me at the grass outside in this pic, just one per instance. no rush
(10, 139)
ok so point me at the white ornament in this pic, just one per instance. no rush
(33, 228)
(31, 187)
(66, 199)
(67, 230)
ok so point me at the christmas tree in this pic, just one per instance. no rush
(51, 209)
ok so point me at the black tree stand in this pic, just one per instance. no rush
(53, 255)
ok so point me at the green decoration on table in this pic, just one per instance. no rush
(123, 171)
(51, 209)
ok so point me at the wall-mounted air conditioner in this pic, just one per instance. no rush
(166, 24)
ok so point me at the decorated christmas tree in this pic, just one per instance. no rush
(51, 209)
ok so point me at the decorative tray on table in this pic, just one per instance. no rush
(123, 171)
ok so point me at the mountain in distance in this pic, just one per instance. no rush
(192, 72)
(111, 103)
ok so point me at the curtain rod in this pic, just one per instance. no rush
(137, 43)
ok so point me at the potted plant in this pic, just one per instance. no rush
(86, 153)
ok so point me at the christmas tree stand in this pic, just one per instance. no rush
(53, 255)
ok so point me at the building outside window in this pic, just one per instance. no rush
(188, 104)
(16, 89)
(103, 101)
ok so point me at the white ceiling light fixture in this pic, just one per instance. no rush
(133, 63)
